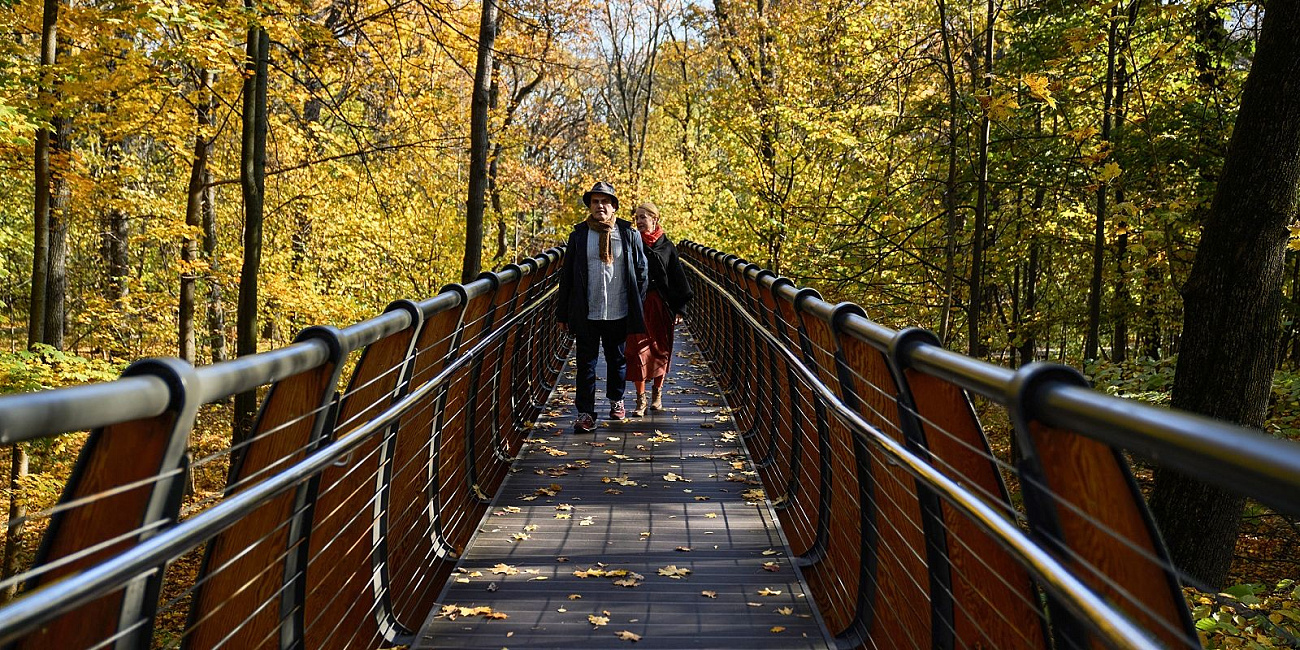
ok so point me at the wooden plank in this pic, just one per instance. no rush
(637, 529)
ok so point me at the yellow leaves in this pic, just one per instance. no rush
(597, 621)
(621, 480)
(519, 537)
(785, 611)
(504, 569)
(1294, 243)
(777, 629)
(771, 566)
(587, 521)
(711, 515)
(999, 107)
(769, 552)
(767, 591)
(709, 594)
(1082, 133)
(452, 612)
(627, 636)
(1038, 87)
(674, 572)
(755, 494)
(670, 476)
(1109, 172)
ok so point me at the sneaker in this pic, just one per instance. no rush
(642, 402)
(657, 398)
(586, 423)
(617, 411)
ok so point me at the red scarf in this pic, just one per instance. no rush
(651, 237)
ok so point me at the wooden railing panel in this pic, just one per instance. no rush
(416, 549)
(996, 603)
(341, 606)
(243, 576)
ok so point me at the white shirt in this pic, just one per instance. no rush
(606, 283)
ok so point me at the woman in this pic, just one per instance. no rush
(648, 354)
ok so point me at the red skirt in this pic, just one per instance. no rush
(648, 354)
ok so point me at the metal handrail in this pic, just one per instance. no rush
(47, 603)
(1239, 459)
(1111, 625)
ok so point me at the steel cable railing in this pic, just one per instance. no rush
(912, 531)
(345, 507)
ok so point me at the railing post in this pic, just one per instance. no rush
(260, 557)
(1104, 533)
(119, 455)
(348, 586)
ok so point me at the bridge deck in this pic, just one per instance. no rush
(682, 507)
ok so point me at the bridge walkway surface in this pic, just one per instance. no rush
(653, 531)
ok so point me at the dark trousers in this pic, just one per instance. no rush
(592, 335)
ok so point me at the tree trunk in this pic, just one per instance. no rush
(194, 220)
(951, 220)
(975, 345)
(42, 190)
(478, 144)
(56, 287)
(252, 178)
(1233, 295)
(1092, 341)
(17, 512)
(216, 310)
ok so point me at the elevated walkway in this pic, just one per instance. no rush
(656, 527)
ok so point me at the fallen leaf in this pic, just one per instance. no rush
(709, 594)
(711, 515)
(769, 552)
(684, 549)
(519, 537)
(575, 596)
(586, 521)
(777, 629)
(701, 498)
(785, 611)
(628, 636)
(530, 528)
(674, 572)
(771, 566)
(504, 569)
(765, 591)
(597, 620)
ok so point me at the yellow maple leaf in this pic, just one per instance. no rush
(597, 620)
(627, 636)
(765, 591)
(1038, 87)
(1108, 172)
(674, 572)
(777, 629)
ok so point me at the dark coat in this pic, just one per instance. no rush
(667, 276)
(571, 303)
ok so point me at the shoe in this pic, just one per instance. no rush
(642, 401)
(617, 411)
(586, 423)
(657, 398)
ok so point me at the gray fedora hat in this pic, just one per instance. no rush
(601, 187)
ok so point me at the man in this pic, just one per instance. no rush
(602, 286)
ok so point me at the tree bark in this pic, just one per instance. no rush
(42, 190)
(975, 345)
(216, 310)
(951, 218)
(478, 144)
(1233, 296)
(194, 220)
(1091, 343)
(56, 287)
(17, 512)
(252, 178)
